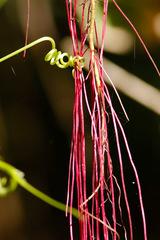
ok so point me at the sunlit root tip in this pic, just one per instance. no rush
(24, 56)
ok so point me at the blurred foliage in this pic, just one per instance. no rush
(2, 2)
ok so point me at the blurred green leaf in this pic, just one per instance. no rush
(2, 2)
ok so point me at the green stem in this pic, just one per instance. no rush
(17, 177)
(54, 203)
(54, 56)
(28, 46)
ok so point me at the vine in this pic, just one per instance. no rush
(15, 177)
(62, 60)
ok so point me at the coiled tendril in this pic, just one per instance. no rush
(62, 60)
(8, 183)
(14, 177)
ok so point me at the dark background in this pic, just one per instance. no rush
(36, 102)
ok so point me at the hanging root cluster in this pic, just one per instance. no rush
(102, 215)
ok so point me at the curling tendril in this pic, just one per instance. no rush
(62, 60)
(13, 177)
